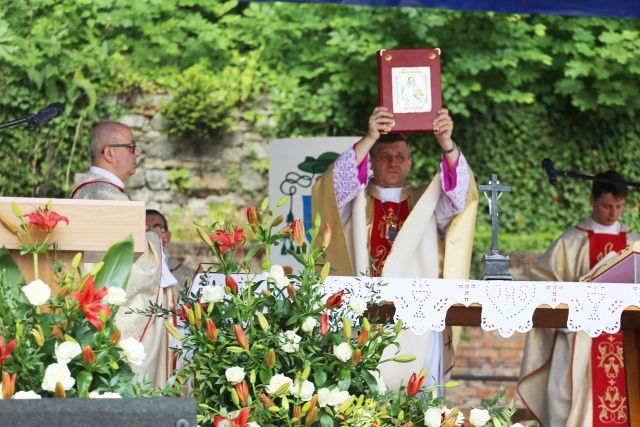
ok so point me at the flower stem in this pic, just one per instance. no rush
(35, 265)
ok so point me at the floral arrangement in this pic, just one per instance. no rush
(271, 350)
(60, 339)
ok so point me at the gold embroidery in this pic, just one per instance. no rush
(612, 407)
(608, 247)
(389, 220)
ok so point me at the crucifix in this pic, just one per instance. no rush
(496, 266)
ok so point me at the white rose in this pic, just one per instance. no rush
(343, 352)
(433, 417)
(211, 293)
(324, 397)
(133, 350)
(26, 395)
(276, 382)
(276, 273)
(37, 292)
(253, 424)
(479, 417)
(382, 387)
(234, 374)
(304, 392)
(105, 395)
(309, 324)
(517, 425)
(358, 305)
(289, 341)
(115, 296)
(66, 351)
(338, 397)
(57, 373)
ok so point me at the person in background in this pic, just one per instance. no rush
(559, 381)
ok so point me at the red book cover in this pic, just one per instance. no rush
(409, 86)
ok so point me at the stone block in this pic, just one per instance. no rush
(157, 179)
(134, 121)
(150, 412)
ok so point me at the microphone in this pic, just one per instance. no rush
(47, 114)
(547, 165)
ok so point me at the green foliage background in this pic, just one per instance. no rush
(520, 88)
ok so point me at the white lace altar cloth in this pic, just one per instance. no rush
(507, 306)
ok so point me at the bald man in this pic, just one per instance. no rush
(114, 156)
(113, 160)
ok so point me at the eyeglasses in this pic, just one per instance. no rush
(132, 145)
(156, 227)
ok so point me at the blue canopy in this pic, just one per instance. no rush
(603, 8)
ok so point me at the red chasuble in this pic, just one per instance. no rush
(609, 386)
(388, 218)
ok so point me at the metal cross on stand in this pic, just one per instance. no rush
(496, 266)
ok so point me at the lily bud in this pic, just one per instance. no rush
(366, 325)
(75, 262)
(345, 405)
(317, 220)
(59, 392)
(424, 371)
(8, 385)
(312, 414)
(234, 397)
(252, 218)
(273, 409)
(414, 385)
(38, 336)
(298, 232)
(346, 328)
(305, 373)
(191, 316)
(204, 236)
(356, 356)
(265, 293)
(326, 236)
(8, 224)
(407, 424)
(96, 269)
(282, 201)
(335, 300)
(398, 326)
(404, 358)
(243, 392)
(270, 358)
(265, 204)
(16, 210)
(324, 323)
(197, 309)
(241, 337)
(115, 336)
(231, 283)
(400, 415)
(252, 376)
(212, 331)
(362, 338)
(170, 327)
(276, 222)
(88, 355)
(285, 402)
(262, 321)
(282, 390)
(291, 290)
(326, 269)
(266, 402)
(297, 413)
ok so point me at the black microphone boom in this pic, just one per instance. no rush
(547, 165)
(47, 114)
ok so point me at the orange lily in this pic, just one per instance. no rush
(335, 300)
(243, 392)
(252, 218)
(231, 283)
(91, 304)
(8, 385)
(226, 240)
(45, 219)
(241, 337)
(298, 232)
(324, 323)
(212, 331)
(239, 421)
(414, 385)
(326, 236)
(88, 355)
(5, 352)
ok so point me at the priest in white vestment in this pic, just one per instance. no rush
(113, 160)
(384, 227)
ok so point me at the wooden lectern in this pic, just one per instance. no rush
(94, 226)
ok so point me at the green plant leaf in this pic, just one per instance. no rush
(371, 381)
(117, 265)
(11, 273)
(83, 380)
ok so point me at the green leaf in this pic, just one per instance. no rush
(319, 377)
(83, 381)
(117, 265)
(326, 420)
(11, 273)
(371, 381)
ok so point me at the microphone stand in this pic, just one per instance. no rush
(593, 178)
(16, 122)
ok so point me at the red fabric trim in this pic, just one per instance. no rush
(73, 195)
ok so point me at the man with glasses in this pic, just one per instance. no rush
(113, 161)
(384, 227)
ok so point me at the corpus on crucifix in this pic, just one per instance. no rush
(495, 266)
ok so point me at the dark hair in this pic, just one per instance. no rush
(619, 191)
(389, 138)
(155, 212)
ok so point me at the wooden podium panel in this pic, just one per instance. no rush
(94, 225)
